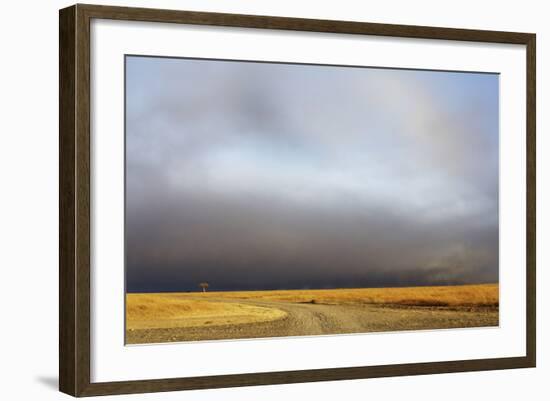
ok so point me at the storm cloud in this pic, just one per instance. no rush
(265, 176)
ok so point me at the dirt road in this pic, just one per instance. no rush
(314, 319)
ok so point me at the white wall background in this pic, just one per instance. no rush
(29, 185)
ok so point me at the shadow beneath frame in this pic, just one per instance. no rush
(49, 381)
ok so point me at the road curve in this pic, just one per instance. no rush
(306, 319)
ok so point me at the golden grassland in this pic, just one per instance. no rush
(478, 295)
(170, 310)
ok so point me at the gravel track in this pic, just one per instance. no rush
(305, 319)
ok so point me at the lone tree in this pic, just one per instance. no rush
(204, 286)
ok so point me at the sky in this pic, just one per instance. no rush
(254, 176)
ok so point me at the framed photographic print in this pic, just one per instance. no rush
(250, 200)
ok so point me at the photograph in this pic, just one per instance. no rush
(272, 199)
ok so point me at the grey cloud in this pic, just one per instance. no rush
(259, 176)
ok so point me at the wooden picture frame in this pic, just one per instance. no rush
(74, 205)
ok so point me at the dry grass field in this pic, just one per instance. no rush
(480, 295)
(247, 314)
(168, 310)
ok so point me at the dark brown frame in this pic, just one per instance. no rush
(74, 199)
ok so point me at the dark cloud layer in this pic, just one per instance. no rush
(261, 176)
